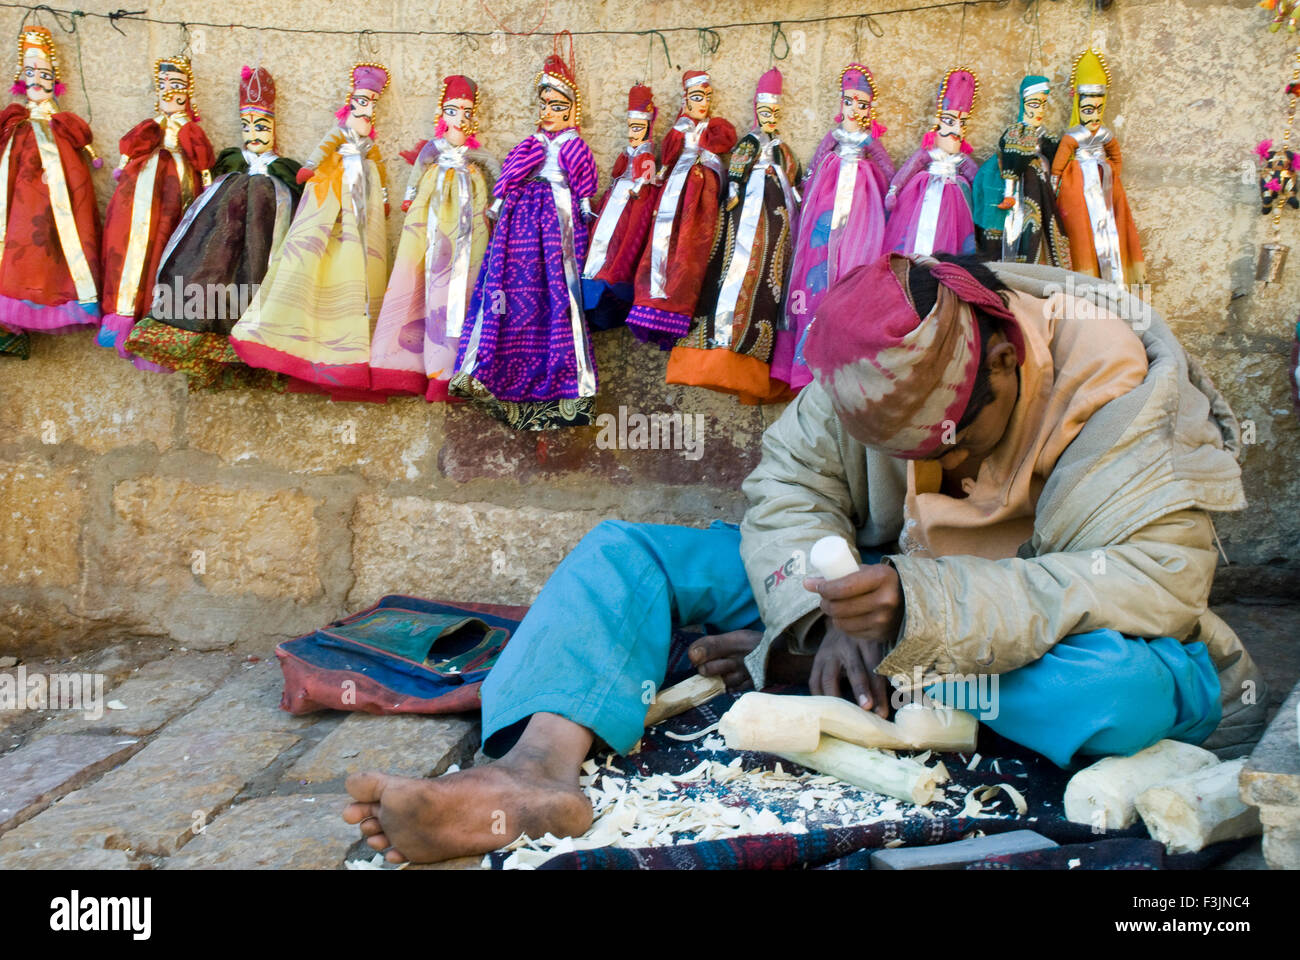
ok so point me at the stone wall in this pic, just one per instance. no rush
(133, 508)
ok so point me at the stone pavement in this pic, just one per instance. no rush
(193, 764)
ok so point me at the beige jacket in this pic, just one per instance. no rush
(1122, 536)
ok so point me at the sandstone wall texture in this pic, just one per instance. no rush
(133, 508)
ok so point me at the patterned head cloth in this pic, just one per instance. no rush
(1090, 77)
(458, 87)
(41, 41)
(641, 104)
(897, 378)
(562, 78)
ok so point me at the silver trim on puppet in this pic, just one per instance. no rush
(453, 159)
(850, 148)
(554, 174)
(742, 251)
(666, 212)
(623, 189)
(942, 171)
(1099, 199)
(354, 185)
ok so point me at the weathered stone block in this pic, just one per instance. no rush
(248, 701)
(409, 746)
(178, 535)
(43, 507)
(38, 773)
(279, 833)
(308, 434)
(72, 392)
(151, 803)
(458, 551)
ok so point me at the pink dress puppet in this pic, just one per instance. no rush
(166, 163)
(49, 224)
(439, 254)
(618, 239)
(842, 221)
(929, 200)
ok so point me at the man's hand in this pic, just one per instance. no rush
(723, 655)
(865, 610)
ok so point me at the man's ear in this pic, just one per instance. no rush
(1002, 357)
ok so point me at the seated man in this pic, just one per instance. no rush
(1045, 472)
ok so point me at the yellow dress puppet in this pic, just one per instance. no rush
(314, 314)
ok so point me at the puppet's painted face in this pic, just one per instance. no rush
(951, 130)
(855, 105)
(38, 76)
(1035, 106)
(173, 90)
(361, 111)
(699, 100)
(458, 115)
(259, 131)
(1092, 107)
(637, 131)
(556, 110)
(769, 115)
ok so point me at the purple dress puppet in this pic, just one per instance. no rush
(527, 357)
(929, 199)
(842, 221)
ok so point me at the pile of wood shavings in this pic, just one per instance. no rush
(712, 801)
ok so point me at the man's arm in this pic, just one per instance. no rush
(971, 615)
(799, 493)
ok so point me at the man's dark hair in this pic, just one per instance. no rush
(925, 290)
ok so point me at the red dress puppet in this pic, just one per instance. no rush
(49, 225)
(671, 273)
(626, 212)
(165, 164)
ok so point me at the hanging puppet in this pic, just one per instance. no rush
(312, 317)
(49, 224)
(671, 273)
(166, 162)
(218, 255)
(619, 236)
(842, 221)
(929, 198)
(1090, 196)
(1015, 205)
(439, 254)
(526, 356)
(730, 346)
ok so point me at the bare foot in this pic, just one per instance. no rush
(460, 814)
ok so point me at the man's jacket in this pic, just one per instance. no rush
(1128, 497)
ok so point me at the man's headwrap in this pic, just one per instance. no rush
(899, 378)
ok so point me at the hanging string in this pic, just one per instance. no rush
(140, 16)
(709, 41)
(1036, 41)
(650, 53)
(778, 36)
(185, 40)
(961, 36)
(876, 29)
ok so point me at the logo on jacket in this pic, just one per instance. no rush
(796, 566)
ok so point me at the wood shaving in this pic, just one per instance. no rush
(690, 736)
(974, 762)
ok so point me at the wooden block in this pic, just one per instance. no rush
(950, 856)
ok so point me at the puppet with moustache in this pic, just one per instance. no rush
(217, 257)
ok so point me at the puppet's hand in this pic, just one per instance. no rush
(117, 173)
(406, 205)
(1007, 203)
(891, 198)
(305, 174)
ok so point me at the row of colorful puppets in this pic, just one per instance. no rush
(245, 268)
